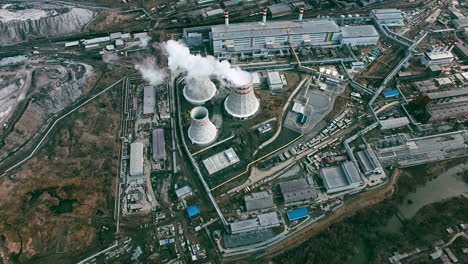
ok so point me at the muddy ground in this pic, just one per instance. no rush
(53, 208)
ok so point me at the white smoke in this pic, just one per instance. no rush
(110, 58)
(150, 71)
(144, 41)
(198, 67)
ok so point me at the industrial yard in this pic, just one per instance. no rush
(219, 131)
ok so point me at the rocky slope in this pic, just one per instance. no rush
(69, 21)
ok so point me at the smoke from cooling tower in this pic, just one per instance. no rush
(198, 67)
(150, 72)
(144, 41)
(110, 58)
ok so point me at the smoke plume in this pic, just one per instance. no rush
(144, 40)
(110, 58)
(150, 71)
(198, 67)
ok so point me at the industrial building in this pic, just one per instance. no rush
(389, 17)
(148, 101)
(262, 221)
(201, 131)
(281, 9)
(241, 102)
(193, 211)
(254, 36)
(460, 23)
(297, 190)
(183, 191)
(258, 200)
(450, 95)
(158, 144)
(341, 178)
(274, 81)
(298, 213)
(359, 35)
(402, 150)
(221, 161)
(199, 91)
(136, 159)
(392, 123)
(444, 111)
(368, 161)
(461, 50)
(437, 57)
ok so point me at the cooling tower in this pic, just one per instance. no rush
(199, 91)
(241, 102)
(201, 131)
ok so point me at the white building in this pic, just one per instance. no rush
(437, 58)
(136, 159)
(359, 35)
(274, 81)
(390, 17)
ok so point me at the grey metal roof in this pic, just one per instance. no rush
(351, 171)
(136, 159)
(297, 190)
(274, 77)
(394, 122)
(449, 93)
(272, 28)
(268, 219)
(333, 177)
(148, 100)
(244, 225)
(386, 11)
(359, 31)
(365, 162)
(159, 151)
(388, 16)
(258, 200)
(183, 191)
(279, 8)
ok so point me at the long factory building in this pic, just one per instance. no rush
(279, 35)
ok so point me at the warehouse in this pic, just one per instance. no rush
(297, 190)
(136, 159)
(274, 81)
(447, 96)
(368, 161)
(159, 150)
(258, 200)
(341, 178)
(298, 213)
(281, 9)
(448, 110)
(389, 17)
(401, 150)
(460, 23)
(262, 221)
(221, 161)
(254, 37)
(148, 101)
(359, 35)
(193, 211)
(392, 123)
(183, 191)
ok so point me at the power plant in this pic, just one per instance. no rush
(201, 131)
(199, 91)
(241, 102)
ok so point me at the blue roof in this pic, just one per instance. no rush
(298, 213)
(193, 211)
(391, 93)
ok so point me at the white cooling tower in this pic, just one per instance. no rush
(202, 131)
(199, 91)
(241, 102)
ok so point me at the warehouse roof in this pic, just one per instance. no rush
(244, 225)
(449, 93)
(274, 77)
(298, 213)
(297, 190)
(272, 28)
(258, 200)
(359, 31)
(193, 210)
(148, 100)
(159, 151)
(183, 191)
(461, 22)
(136, 159)
(278, 9)
(394, 122)
(340, 178)
(268, 219)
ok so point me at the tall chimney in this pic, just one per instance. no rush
(226, 17)
(301, 13)
(265, 9)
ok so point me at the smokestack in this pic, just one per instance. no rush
(265, 9)
(241, 102)
(301, 13)
(201, 131)
(226, 17)
(199, 91)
